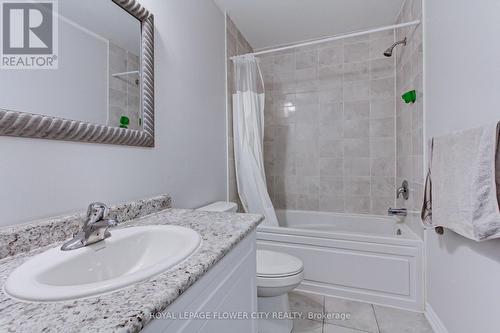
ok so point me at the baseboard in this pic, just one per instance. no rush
(432, 317)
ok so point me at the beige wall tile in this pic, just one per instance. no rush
(308, 184)
(308, 202)
(358, 205)
(285, 201)
(331, 186)
(357, 71)
(383, 127)
(383, 167)
(285, 62)
(331, 113)
(382, 68)
(383, 186)
(330, 76)
(331, 56)
(382, 108)
(356, 110)
(355, 91)
(355, 52)
(357, 147)
(356, 128)
(382, 88)
(382, 147)
(335, 130)
(306, 80)
(332, 203)
(330, 95)
(357, 186)
(380, 205)
(357, 167)
(331, 167)
(331, 148)
(306, 59)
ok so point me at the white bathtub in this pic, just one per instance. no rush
(368, 258)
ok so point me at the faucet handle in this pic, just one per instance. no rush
(97, 211)
(106, 223)
(95, 227)
(403, 191)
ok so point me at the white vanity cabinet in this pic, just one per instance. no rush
(227, 289)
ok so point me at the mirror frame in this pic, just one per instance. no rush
(28, 125)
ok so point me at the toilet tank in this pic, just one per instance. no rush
(221, 206)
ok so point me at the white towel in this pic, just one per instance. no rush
(466, 183)
(498, 166)
(426, 214)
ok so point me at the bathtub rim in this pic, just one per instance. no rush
(322, 212)
(408, 238)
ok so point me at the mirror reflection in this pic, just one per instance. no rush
(97, 78)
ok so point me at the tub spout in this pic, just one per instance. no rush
(397, 212)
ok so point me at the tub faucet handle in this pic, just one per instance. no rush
(403, 191)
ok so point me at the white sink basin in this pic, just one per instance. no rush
(130, 255)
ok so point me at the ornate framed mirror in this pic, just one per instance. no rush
(84, 73)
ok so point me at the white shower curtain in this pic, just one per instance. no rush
(248, 127)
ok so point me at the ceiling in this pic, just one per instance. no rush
(267, 23)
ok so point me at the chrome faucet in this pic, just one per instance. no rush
(95, 228)
(397, 212)
(403, 191)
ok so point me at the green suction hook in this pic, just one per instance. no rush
(410, 96)
(124, 122)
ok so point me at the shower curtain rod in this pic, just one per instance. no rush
(329, 39)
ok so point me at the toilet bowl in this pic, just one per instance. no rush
(277, 274)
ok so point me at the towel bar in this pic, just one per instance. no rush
(439, 230)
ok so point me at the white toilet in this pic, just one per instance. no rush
(277, 274)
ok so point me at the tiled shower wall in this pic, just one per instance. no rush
(124, 93)
(409, 117)
(330, 126)
(236, 44)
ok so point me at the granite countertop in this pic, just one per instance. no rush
(129, 309)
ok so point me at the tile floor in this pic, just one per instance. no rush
(364, 317)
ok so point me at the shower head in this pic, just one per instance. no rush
(388, 52)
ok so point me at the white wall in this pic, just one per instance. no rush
(462, 88)
(41, 178)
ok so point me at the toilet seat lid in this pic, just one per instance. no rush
(276, 264)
